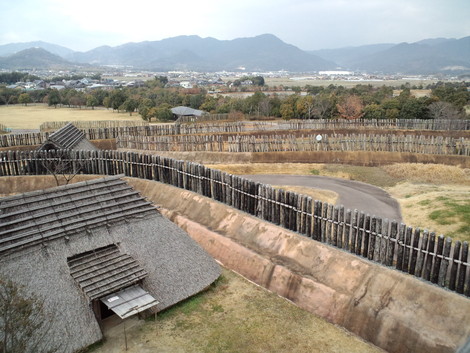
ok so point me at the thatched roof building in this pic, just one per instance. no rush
(97, 242)
(182, 113)
(67, 138)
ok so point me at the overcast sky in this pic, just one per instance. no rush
(308, 24)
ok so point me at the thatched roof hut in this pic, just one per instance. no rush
(93, 242)
(67, 138)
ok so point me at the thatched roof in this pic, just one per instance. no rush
(104, 271)
(187, 111)
(34, 218)
(68, 137)
(72, 244)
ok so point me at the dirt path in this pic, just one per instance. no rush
(352, 194)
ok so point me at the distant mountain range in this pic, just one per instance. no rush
(429, 56)
(35, 58)
(261, 53)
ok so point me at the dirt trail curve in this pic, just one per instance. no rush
(352, 194)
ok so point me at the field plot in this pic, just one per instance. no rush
(32, 116)
(303, 81)
(235, 315)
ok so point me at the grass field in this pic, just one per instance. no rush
(32, 116)
(235, 316)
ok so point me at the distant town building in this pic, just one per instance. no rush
(336, 73)
(186, 84)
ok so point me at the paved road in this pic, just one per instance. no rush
(352, 194)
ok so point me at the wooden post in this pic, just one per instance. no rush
(274, 207)
(400, 246)
(300, 214)
(329, 224)
(324, 215)
(454, 265)
(309, 218)
(335, 226)
(317, 220)
(429, 257)
(437, 259)
(422, 255)
(283, 213)
(340, 227)
(378, 240)
(384, 241)
(414, 251)
(366, 236)
(347, 230)
(462, 268)
(354, 231)
(360, 232)
(407, 252)
(445, 263)
(392, 243)
(372, 238)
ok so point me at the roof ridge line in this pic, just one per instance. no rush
(63, 187)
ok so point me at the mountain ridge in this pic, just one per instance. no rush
(264, 52)
(34, 58)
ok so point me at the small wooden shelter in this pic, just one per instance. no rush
(68, 138)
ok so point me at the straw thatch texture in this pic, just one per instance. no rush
(177, 267)
(68, 137)
(103, 271)
(32, 218)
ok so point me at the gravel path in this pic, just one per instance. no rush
(352, 194)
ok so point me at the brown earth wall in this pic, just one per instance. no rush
(388, 308)
(392, 310)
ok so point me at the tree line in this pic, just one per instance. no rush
(154, 100)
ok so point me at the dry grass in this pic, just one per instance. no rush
(268, 168)
(444, 209)
(429, 173)
(32, 116)
(235, 315)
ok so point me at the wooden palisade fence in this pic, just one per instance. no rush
(282, 143)
(92, 124)
(105, 130)
(420, 253)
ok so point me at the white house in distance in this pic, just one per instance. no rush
(336, 73)
(186, 84)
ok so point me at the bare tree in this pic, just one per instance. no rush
(61, 166)
(444, 110)
(322, 106)
(24, 325)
